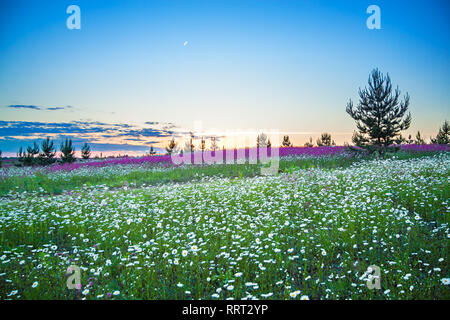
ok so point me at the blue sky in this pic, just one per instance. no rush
(288, 65)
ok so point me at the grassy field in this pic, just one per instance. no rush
(225, 232)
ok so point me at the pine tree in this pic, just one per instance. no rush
(261, 141)
(67, 151)
(21, 156)
(47, 156)
(379, 115)
(286, 142)
(203, 145)
(214, 145)
(171, 147)
(324, 140)
(400, 139)
(33, 150)
(152, 151)
(443, 136)
(419, 139)
(30, 157)
(410, 140)
(309, 144)
(189, 145)
(85, 151)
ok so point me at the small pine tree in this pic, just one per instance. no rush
(33, 150)
(152, 151)
(171, 147)
(324, 140)
(47, 156)
(379, 115)
(67, 151)
(419, 139)
(410, 140)
(30, 157)
(310, 143)
(286, 142)
(203, 144)
(21, 156)
(261, 141)
(189, 146)
(214, 145)
(443, 136)
(400, 139)
(85, 151)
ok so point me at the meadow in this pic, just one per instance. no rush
(144, 229)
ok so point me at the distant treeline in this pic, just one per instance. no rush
(380, 116)
(45, 153)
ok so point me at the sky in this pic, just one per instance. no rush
(139, 72)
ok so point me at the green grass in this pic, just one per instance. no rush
(116, 176)
(312, 230)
